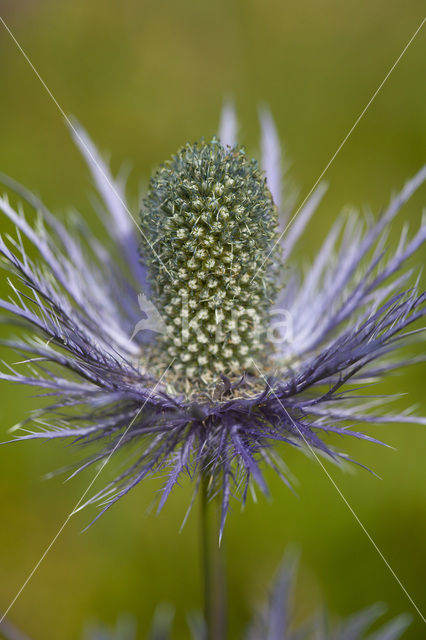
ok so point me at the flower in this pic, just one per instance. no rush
(274, 621)
(216, 383)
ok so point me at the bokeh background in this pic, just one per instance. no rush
(144, 77)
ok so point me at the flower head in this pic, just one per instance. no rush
(209, 226)
(217, 382)
(276, 620)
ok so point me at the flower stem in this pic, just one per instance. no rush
(212, 563)
(206, 558)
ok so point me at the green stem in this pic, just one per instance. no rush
(206, 560)
(212, 569)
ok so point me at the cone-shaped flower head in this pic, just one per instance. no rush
(209, 226)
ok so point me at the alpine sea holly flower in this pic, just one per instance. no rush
(211, 388)
(276, 620)
(273, 621)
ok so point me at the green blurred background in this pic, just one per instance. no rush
(144, 77)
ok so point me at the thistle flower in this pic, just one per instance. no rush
(218, 382)
(274, 621)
